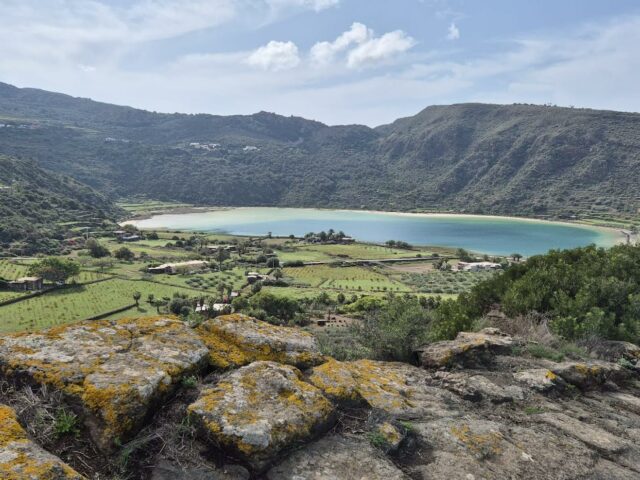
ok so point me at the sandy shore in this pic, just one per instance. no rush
(620, 237)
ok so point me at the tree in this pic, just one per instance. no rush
(96, 250)
(256, 287)
(277, 274)
(150, 298)
(463, 255)
(394, 331)
(221, 256)
(516, 257)
(123, 253)
(55, 269)
(341, 298)
(273, 262)
(136, 298)
(279, 307)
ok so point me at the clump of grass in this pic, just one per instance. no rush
(190, 382)
(541, 351)
(377, 440)
(533, 410)
(65, 423)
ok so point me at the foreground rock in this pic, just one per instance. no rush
(395, 388)
(115, 371)
(476, 387)
(337, 457)
(583, 375)
(237, 340)
(260, 410)
(21, 459)
(468, 349)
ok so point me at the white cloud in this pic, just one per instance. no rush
(275, 56)
(379, 49)
(323, 53)
(453, 33)
(361, 47)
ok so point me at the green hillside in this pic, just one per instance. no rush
(512, 159)
(39, 210)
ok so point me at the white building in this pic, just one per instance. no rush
(478, 266)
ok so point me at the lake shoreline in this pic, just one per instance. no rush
(620, 237)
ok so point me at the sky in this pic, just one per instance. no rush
(336, 61)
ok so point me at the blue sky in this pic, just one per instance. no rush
(337, 61)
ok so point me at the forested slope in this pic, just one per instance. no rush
(511, 159)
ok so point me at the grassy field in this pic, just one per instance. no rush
(77, 303)
(444, 282)
(343, 278)
(150, 206)
(206, 281)
(11, 270)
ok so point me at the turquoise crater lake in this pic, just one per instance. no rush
(493, 235)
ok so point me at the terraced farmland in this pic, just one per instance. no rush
(10, 270)
(77, 303)
(344, 278)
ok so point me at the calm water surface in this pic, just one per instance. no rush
(481, 234)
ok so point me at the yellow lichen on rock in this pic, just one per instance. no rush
(261, 409)
(21, 459)
(115, 370)
(395, 388)
(236, 340)
(468, 348)
(481, 444)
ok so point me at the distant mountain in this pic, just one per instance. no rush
(39, 209)
(511, 159)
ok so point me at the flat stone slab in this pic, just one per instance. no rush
(236, 340)
(115, 370)
(476, 387)
(260, 410)
(21, 459)
(588, 375)
(336, 458)
(593, 436)
(468, 349)
(540, 379)
(398, 389)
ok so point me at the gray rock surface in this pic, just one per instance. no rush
(337, 457)
(468, 349)
(260, 410)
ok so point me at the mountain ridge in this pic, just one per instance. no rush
(476, 158)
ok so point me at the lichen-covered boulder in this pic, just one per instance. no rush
(587, 375)
(476, 387)
(468, 349)
(395, 388)
(236, 340)
(260, 410)
(336, 458)
(540, 379)
(115, 371)
(21, 459)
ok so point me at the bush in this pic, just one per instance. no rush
(394, 331)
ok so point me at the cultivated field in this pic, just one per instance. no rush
(344, 278)
(79, 302)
